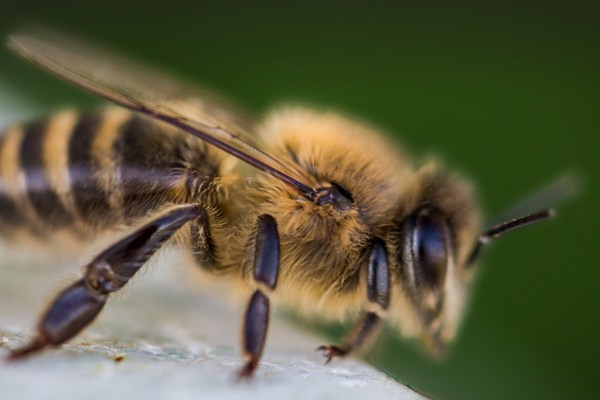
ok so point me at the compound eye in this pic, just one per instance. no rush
(427, 245)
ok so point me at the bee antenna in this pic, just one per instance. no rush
(504, 227)
(508, 226)
(562, 189)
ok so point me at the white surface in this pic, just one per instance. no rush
(177, 343)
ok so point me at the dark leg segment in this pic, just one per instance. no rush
(378, 295)
(266, 272)
(255, 331)
(79, 304)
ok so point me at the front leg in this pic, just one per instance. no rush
(265, 269)
(79, 304)
(378, 295)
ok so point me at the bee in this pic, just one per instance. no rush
(307, 209)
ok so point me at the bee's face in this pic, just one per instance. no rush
(432, 241)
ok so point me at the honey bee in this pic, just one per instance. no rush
(308, 209)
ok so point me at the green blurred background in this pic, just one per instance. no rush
(507, 93)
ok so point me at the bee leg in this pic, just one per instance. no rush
(265, 272)
(378, 295)
(79, 304)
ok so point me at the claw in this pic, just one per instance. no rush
(36, 345)
(247, 372)
(332, 351)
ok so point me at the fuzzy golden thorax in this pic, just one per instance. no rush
(322, 242)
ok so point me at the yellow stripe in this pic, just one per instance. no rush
(56, 153)
(103, 152)
(9, 160)
(14, 177)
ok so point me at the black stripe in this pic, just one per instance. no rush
(148, 157)
(90, 199)
(10, 214)
(43, 198)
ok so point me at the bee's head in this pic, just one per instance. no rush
(436, 240)
(432, 239)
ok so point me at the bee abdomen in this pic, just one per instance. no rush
(86, 173)
(30, 191)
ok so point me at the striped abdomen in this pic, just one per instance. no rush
(85, 173)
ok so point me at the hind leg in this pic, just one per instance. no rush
(80, 303)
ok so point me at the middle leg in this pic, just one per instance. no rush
(378, 296)
(265, 270)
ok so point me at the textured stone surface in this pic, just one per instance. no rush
(176, 341)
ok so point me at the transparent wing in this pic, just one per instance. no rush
(156, 94)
